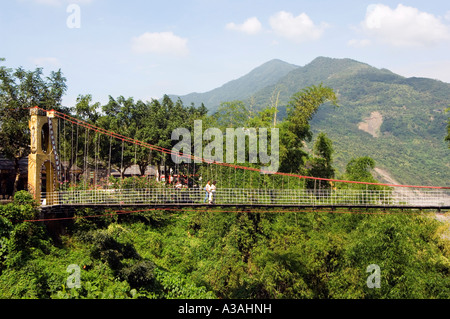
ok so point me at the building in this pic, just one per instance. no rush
(7, 176)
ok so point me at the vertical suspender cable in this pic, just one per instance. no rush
(71, 154)
(109, 158)
(65, 151)
(76, 154)
(135, 163)
(86, 149)
(122, 173)
(97, 146)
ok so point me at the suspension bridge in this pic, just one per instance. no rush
(71, 166)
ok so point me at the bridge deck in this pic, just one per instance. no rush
(230, 197)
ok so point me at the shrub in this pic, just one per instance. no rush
(24, 198)
(139, 274)
(22, 208)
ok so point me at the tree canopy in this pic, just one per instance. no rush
(20, 90)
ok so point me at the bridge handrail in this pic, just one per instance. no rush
(243, 196)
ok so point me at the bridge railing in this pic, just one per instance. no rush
(241, 196)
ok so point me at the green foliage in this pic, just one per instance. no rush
(20, 241)
(232, 114)
(24, 198)
(28, 282)
(134, 182)
(20, 90)
(22, 208)
(239, 255)
(360, 170)
(304, 104)
(139, 274)
(320, 165)
(151, 123)
(323, 147)
(403, 248)
(295, 130)
(178, 286)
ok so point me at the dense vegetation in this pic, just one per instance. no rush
(210, 253)
(224, 254)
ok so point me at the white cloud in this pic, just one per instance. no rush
(51, 62)
(160, 42)
(300, 28)
(404, 26)
(250, 26)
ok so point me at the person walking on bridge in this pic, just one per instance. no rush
(207, 191)
(212, 193)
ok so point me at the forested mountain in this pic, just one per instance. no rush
(240, 89)
(398, 121)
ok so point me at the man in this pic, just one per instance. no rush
(207, 190)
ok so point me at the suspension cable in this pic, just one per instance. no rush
(167, 151)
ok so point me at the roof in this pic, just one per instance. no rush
(134, 170)
(8, 164)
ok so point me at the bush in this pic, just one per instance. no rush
(22, 208)
(106, 248)
(25, 239)
(139, 274)
(24, 198)
(29, 282)
(177, 286)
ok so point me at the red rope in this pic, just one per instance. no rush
(84, 124)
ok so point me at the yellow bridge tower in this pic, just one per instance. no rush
(43, 161)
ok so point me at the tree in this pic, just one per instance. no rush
(359, 169)
(295, 130)
(323, 148)
(85, 110)
(304, 104)
(120, 117)
(321, 163)
(148, 122)
(232, 114)
(19, 91)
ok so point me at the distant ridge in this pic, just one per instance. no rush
(241, 88)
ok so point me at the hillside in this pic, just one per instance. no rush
(409, 143)
(397, 121)
(240, 89)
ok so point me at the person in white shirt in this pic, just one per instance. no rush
(207, 190)
(212, 192)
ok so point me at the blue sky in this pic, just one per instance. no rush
(145, 49)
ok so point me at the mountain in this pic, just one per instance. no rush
(398, 121)
(242, 88)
